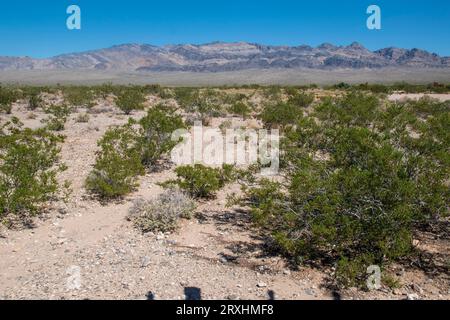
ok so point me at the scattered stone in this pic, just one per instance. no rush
(145, 262)
(417, 288)
(413, 296)
(261, 285)
(397, 292)
(223, 260)
(286, 272)
(310, 292)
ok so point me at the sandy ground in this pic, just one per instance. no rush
(86, 250)
(251, 76)
(417, 96)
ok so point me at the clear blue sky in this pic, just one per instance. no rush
(38, 28)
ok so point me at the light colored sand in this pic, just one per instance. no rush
(417, 96)
(264, 77)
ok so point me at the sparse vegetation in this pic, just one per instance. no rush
(201, 181)
(7, 97)
(240, 109)
(280, 114)
(29, 164)
(78, 96)
(155, 133)
(362, 177)
(35, 101)
(127, 150)
(361, 201)
(130, 99)
(57, 117)
(117, 164)
(82, 118)
(163, 213)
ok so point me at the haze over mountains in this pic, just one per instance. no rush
(220, 56)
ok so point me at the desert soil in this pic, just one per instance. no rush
(218, 251)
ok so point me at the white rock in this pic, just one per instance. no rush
(261, 285)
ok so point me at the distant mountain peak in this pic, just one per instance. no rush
(356, 45)
(229, 56)
(327, 46)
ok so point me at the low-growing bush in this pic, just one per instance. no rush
(78, 96)
(130, 99)
(117, 164)
(280, 114)
(35, 101)
(7, 97)
(82, 118)
(29, 164)
(163, 213)
(301, 99)
(201, 181)
(155, 133)
(358, 185)
(240, 109)
(126, 151)
(57, 117)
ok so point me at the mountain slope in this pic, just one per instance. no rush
(220, 56)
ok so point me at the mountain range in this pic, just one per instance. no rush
(222, 56)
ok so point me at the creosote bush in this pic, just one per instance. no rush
(126, 151)
(78, 96)
(163, 213)
(29, 164)
(57, 117)
(130, 99)
(201, 181)
(7, 97)
(82, 118)
(360, 180)
(280, 114)
(35, 101)
(117, 165)
(155, 133)
(240, 109)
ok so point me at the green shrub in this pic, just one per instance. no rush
(127, 150)
(130, 99)
(240, 109)
(58, 117)
(185, 96)
(200, 181)
(155, 133)
(117, 164)
(301, 99)
(358, 186)
(35, 101)
(163, 213)
(78, 96)
(82, 118)
(28, 169)
(280, 114)
(7, 97)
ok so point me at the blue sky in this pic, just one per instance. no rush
(38, 28)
